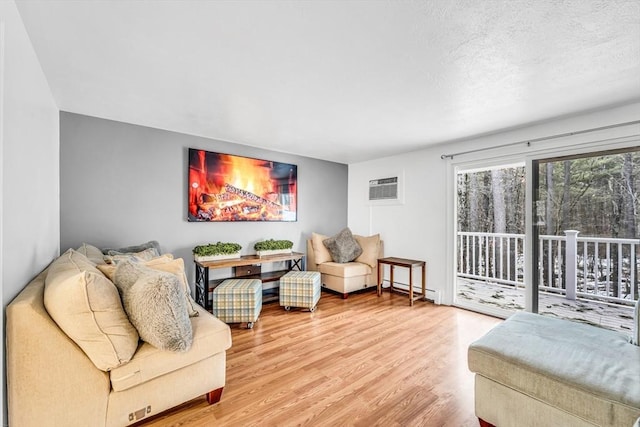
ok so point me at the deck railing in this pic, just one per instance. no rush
(497, 257)
(576, 267)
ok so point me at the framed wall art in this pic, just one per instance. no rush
(226, 187)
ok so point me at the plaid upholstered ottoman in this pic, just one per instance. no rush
(300, 289)
(238, 301)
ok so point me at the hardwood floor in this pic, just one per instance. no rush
(364, 361)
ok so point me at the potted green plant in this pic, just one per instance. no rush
(216, 251)
(273, 247)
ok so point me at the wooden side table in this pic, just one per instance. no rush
(407, 263)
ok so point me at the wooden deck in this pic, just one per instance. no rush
(610, 316)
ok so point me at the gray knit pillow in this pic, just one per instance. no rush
(156, 306)
(343, 247)
(151, 244)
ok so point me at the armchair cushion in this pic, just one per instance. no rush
(346, 269)
(370, 249)
(320, 251)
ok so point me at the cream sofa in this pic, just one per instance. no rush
(533, 370)
(51, 381)
(345, 278)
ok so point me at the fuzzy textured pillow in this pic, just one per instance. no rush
(152, 244)
(162, 263)
(343, 246)
(87, 307)
(113, 257)
(155, 303)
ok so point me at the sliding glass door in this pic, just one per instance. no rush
(586, 237)
(490, 239)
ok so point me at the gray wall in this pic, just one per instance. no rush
(122, 184)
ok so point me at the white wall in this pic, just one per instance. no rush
(421, 228)
(29, 143)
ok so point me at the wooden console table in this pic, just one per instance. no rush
(247, 267)
(407, 263)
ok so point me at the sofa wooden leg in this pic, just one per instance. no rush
(483, 423)
(214, 396)
(345, 296)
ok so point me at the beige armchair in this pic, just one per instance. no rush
(344, 278)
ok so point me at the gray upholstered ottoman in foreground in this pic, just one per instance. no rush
(533, 370)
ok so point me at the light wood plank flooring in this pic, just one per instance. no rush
(364, 361)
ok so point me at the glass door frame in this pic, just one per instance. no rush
(583, 144)
(454, 168)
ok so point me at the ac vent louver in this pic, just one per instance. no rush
(383, 189)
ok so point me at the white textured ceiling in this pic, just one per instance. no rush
(339, 80)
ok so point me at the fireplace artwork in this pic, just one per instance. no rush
(225, 187)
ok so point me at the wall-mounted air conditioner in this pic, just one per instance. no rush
(383, 189)
(386, 191)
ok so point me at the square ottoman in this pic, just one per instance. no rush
(300, 289)
(238, 301)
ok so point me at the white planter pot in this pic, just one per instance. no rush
(205, 258)
(273, 252)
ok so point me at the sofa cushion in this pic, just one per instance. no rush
(94, 254)
(347, 269)
(370, 249)
(320, 251)
(155, 303)
(343, 246)
(581, 369)
(210, 336)
(87, 307)
(167, 264)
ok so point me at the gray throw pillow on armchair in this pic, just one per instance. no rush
(343, 246)
(155, 304)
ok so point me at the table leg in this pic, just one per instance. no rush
(424, 282)
(391, 282)
(411, 286)
(379, 278)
